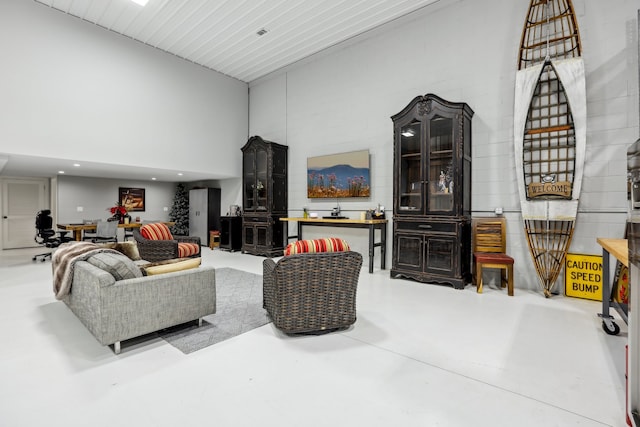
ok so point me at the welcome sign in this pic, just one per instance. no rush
(583, 276)
(539, 189)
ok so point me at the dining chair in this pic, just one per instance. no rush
(106, 231)
(489, 251)
(88, 234)
(128, 232)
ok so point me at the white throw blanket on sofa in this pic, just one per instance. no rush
(63, 261)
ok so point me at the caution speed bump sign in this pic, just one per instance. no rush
(583, 276)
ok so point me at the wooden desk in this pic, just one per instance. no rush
(371, 224)
(620, 250)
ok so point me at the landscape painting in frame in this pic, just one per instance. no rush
(339, 175)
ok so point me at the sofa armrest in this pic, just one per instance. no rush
(89, 275)
(83, 298)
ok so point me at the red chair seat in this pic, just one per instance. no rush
(492, 258)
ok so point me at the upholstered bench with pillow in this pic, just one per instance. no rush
(116, 301)
(313, 287)
(156, 243)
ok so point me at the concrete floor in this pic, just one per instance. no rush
(419, 355)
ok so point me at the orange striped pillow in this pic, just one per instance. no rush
(188, 249)
(156, 231)
(329, 244)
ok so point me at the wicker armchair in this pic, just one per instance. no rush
(312, 292)
(163, 249)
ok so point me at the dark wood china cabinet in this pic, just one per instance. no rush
(432, 191)
(264, 197)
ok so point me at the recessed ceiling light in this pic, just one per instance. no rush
(141, 2)
(153, 179)
(76, 165)
(180, 174)
(60, 172)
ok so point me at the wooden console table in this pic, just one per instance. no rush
(371, 224)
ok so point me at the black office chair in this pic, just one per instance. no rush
(46, 235)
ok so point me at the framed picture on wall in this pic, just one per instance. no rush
(131, 198)
(339, 175)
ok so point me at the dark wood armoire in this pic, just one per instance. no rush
(264, 197)
(432, 191)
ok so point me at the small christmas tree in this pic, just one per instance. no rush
(180, 211)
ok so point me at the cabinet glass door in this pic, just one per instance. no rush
(248, 235)
(408, 252)
(441, 170)
(261, 233)
(439, 255)
(249, 202)
(411, 180)
(261, 180)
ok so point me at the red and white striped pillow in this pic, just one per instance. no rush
(156, 231)
(329, 244)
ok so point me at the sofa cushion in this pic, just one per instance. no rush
(129, 249)
(156, 231)
(188, 249)
(329, 244)
(170, 265)
(116, 264)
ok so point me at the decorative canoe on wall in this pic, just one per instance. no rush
(549, 132)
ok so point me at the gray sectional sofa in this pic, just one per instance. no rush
(117, 310)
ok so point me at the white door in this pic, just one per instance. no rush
(22, 198)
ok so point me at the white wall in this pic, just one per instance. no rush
(96, 195)
(341, 100)
(73, 90)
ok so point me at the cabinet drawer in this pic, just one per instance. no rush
(438, 227)
(256, 219)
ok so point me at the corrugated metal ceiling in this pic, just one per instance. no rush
(222, 34)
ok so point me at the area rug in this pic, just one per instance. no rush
(239, 310)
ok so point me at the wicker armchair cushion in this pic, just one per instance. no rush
(156, 231)
(188, 249)
(329, 244)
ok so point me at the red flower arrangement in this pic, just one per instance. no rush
(118, 210)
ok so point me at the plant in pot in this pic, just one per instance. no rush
(118, 213)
